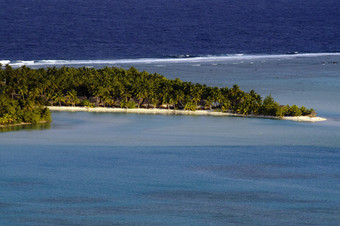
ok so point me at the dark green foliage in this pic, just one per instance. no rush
(190, 106)
(22, 96)
(86, 103)
(16, 111)
(128, 104)
(270, 107)
(10, 110)
(25, 91)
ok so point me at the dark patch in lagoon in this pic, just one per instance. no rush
(24, 182)
(185, 195)
(73, 200)
(256, 171)
(88, 211)
(63, 221)
(6, 205)
(215, 196)
(176, 209)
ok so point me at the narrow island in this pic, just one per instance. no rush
(27, 95)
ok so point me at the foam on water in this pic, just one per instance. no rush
(228, 57)
(4, 62)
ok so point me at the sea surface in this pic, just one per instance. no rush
(135, 169)
(111, 29)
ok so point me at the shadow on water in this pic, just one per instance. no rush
(38, 126)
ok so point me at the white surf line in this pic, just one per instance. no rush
(164, 60)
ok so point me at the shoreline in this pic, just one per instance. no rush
(16, 124)
(21, 124)
(180, 112)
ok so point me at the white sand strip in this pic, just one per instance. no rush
(179, 112)
(304, 118)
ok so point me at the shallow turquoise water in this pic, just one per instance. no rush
(68, 184)
(103, 168)
(101, 129)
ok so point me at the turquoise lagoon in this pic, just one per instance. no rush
(135, 169)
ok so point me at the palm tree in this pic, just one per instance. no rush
(179, 97)
(196, 92)
(142, 93)
(108, 100)
(23, 90)
(72, 97)
(59, 97)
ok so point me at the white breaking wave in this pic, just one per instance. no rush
(4, 62)
(233, 57)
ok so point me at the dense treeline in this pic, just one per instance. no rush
(24, 92)
(20, 97)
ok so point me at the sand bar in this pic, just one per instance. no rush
(179, 112)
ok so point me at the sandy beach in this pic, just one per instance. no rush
(180, 112)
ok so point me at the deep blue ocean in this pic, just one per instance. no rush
(103, 29)
(134, 169)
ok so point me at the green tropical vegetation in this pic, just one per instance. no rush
(22, 97)
(24, 93)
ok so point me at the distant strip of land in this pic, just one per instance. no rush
(24, 93)
(180, 112)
